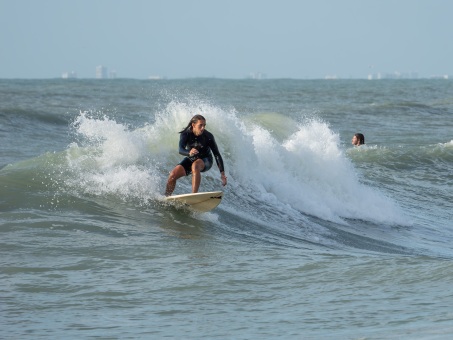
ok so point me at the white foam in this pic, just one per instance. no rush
(118, 145)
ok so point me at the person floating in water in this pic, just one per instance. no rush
(198, 145)
(358, 139)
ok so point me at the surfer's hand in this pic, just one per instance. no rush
(193, 152)
(224, 179)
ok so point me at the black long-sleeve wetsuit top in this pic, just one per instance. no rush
(205, 144)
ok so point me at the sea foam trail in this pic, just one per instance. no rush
(304, 170)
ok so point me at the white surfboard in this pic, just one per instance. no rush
(200, 201)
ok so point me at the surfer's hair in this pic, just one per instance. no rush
(194, 119)
(360, 137)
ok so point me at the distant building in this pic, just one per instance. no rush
(442, 76)
(257, 75)
(101, 72)
(394, 75)
(69, 75)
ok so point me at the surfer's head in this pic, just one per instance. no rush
(358, 139)
(197, 125)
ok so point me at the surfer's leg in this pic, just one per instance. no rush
(176, 173)
(197, 167)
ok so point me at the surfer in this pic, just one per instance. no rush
(358, 139)
(198, 145)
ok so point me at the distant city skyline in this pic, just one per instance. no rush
(299, 39)
(103, 72)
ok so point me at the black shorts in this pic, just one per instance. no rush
(187, 164)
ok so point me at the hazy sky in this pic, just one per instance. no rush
(225, 39)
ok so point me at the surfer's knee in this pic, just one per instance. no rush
(172, 176)
(197, 166)
(177, 172)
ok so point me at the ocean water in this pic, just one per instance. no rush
(314, 238)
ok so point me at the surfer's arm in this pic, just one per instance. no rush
(217, 156)
(182, 145)
(223, 178)
(219, 162)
